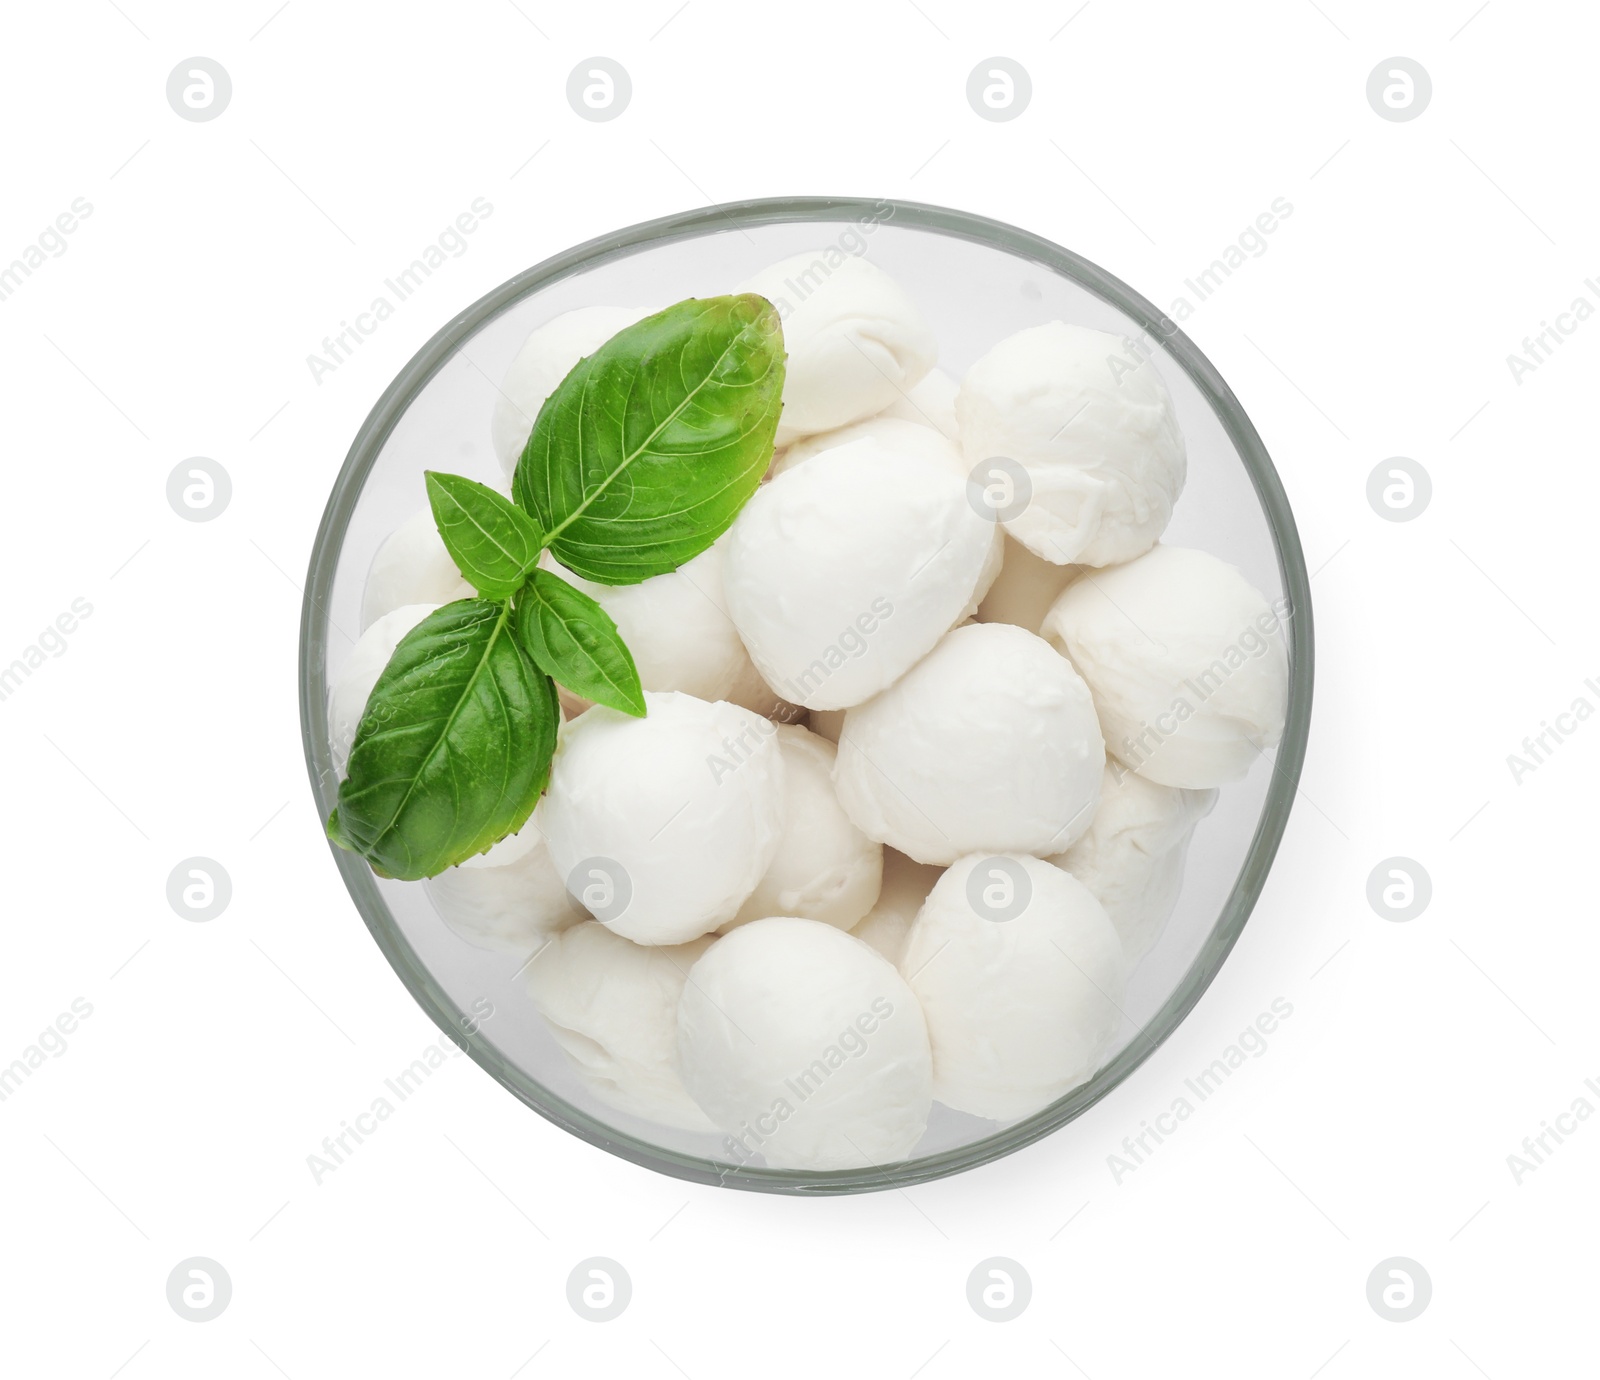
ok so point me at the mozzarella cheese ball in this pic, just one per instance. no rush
(547, 356)
(1189, 675)
(906, 885)
(612, 1006)
(1020, 975)
(908, 437)
(931, 402)
(678, 629)
(825, 868)
(804, 1045)
(843, 572)
(509, 899)
(352, 688)
(680, 813)
(855, 341)
(1025, 589)
(1099, 443)
(411, 567)
(990, 743)
(1132, 857)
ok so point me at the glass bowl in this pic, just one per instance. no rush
(977, 280)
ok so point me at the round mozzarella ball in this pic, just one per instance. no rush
(906, 885)
(990, 744)
(1025, 589)
(907, 438)
(931, 402)
(411, 567)
(1189, 675)
(678, 629)
(680, 813)
(805, 1045)
(1132, 857)
(855, 340)
(1020, 975)
(825, 868)
(352, 688)
(509, 899)
(845, 571)
(894, 433)
(612, 1006)
(1100, 446)
(547, 356)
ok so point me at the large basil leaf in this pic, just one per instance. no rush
(575, 640)
(492, 541)
(454, 747)
(648, 449)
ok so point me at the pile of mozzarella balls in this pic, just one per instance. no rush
(929, 730)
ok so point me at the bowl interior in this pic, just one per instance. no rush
(977, 282)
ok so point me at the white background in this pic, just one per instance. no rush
(218, 255)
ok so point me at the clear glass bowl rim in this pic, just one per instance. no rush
(420, 982)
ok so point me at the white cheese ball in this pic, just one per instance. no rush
(1132, 857)
(931, 402)
(990, 743)
(352, 688)
(854, 339)
(895, 433)
(825, 868)
(1183, 654)
(804, 1045)
(680, 813)
(1101, 449)
(509, 899)
(1020, 976)
(1026, 588)
(843, 572)
(906, 885)
(678, 629)
(612, 1006)
(411, 567)
(547, 356)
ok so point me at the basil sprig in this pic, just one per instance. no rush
(640, 459)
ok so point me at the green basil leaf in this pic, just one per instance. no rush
(492, 541)
(648, 449)
(454, 747)
(572, 638)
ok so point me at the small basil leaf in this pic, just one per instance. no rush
(646, 451)
(454, 746)
(492, 541)
(572, 638)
